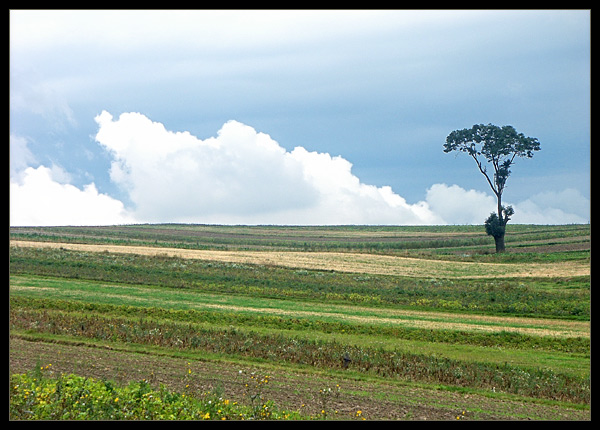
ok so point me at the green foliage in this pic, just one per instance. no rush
(492, 142)
(70, 397)
(257, 281)
(497, 145)
(198, 318)
(156, 305)
(297, 350)
(495, 226)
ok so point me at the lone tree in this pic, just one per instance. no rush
(498, 146)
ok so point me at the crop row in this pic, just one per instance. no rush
(503, 339)
(323, 354)
(563, 298)
(298, 238)
(235, 243)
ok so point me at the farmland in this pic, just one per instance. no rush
(352, 322)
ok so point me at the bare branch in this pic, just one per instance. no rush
(484, 172)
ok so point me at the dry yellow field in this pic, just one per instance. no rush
(345, 262)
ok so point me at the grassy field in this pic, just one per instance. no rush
(350, 322)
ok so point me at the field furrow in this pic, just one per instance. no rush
(344, 262)
(346, 322)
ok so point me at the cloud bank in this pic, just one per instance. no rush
(39, 199)
(242, 176)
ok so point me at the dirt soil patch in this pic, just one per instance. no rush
(289, 389)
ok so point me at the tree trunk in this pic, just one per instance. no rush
(500, 239)
(499, 243)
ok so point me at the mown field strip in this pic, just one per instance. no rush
(157, 297)
(345, 262)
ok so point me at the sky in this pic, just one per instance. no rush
(296, 117)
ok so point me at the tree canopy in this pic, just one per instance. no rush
(498, 146)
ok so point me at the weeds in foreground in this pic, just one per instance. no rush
(42, 395)
(253, 390)
(325, 396)
(39, 396)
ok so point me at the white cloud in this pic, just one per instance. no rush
(343, 199)
(459, 206)
(455, 205)
(241, 176)
(38, 199)
(568, 206)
